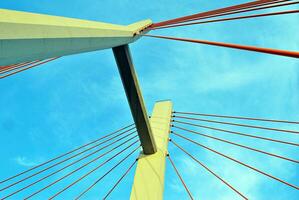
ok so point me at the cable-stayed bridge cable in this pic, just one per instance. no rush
(29, 67)
(72, 163)
(96, 168)
(209, 170)
(237, 133)
(217, 11)
(231, 13)
(237, 161)
(120, 179)
(238, 124)
(180, 177)
(239, 145)
(64, 160)
(279, 52)
(237, 117)
(103, 176)
(65, 154)
(230, 19)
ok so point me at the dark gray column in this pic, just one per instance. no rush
(130, 82)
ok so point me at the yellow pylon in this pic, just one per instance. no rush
(149, 176)
(27, 37)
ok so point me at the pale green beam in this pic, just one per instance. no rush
(27, 36)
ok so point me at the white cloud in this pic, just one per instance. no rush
(24, 161)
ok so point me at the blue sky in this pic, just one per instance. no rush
(50, 109)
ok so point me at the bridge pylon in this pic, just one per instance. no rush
(27, 37)
(150, 172)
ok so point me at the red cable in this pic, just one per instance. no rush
(72, 163)
(13, 65)
(209, 170)
(237, 133)
(239, 162)
(3, 68)
(120, 179)
(209, 13)
(9, 68)
(237, 117)
(248, 9)
(237, 144)
(96, 168)
(64, 160)
(241, 125)
(77, 169)
(103, 176)
(233, 46)
(26, 68)
(180, 177)
(231, 18)
(65, 154)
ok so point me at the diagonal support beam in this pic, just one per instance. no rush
(130, 82)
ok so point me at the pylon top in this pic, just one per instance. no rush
(28, 36)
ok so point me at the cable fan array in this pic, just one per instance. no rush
(122, 145)
(6, 71)
(184, 123)
(197, 19)
(84, 161)
(200, 18)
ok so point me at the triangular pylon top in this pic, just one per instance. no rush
(27, 36)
